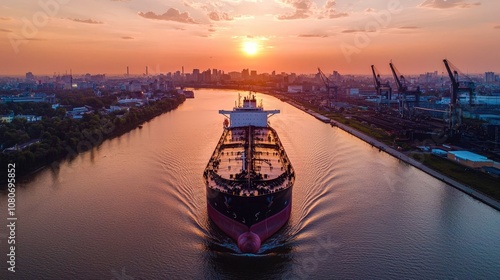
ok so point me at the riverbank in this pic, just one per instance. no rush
(401, 156)
(65, 138)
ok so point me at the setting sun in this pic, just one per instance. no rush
(250, 47)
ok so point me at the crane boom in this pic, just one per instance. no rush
(328, 84)
(376, 77)
(400, 79)
(450, 73)
(459, 86)
(383, 89)
(454, 82)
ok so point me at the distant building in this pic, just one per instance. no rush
(439, 152)
(245, 74)
(98, 78)
(234, 75)
(9, 118)
(29, 118)
(134, 86)
(30, 76)
(20, 147)
(294, 88)
(489, 77)
(78, 112)
(37, 97)
(114, 108)
(206, 76)
(493, 171)
(352, 91)
(215, 75)
(470, 159)
(196, 75)
(131, 101)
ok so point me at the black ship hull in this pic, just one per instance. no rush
(249, 220)
(249, 210)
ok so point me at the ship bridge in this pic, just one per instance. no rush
(248, 113)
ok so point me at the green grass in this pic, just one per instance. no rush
(475, 179)
(375, 133)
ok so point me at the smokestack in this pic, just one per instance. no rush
(127, 72)
(147, 71)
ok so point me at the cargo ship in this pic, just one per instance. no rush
(188, 93)
(249, 178)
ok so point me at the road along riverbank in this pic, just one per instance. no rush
(403, 157)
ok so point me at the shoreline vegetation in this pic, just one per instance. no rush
(63, 138)
(474, 183)
(57, 137)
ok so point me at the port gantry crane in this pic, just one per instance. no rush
(403, 91)
(329, 85)
(383, 89)
(457, 86)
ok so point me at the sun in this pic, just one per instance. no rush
(250, 47)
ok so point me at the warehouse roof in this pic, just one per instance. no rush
(466, 155)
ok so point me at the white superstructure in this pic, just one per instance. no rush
(248, 114)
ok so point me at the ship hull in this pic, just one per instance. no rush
(249, 220)
(249, 178)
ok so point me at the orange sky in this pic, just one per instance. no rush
(106, 36)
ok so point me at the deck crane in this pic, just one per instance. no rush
(457, 87)
(329, 85)
(403, 91)
(383, 89)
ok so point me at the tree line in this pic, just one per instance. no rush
(62, 137)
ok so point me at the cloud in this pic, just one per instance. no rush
(170, 15)
(447, 4)
(409, 27)
(126, 37)
(302, 9)
(89, 21)
(313, 35)
(211, 30)
(497, 27)
(337, 15)
(369, 10)
(329, 10)
(5, 18)
(215, 16)
(352, 31)
(5, 30)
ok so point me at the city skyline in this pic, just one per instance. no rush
(282, 36)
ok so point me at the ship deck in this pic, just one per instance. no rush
(249, 161)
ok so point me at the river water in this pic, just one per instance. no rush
(134, 208)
